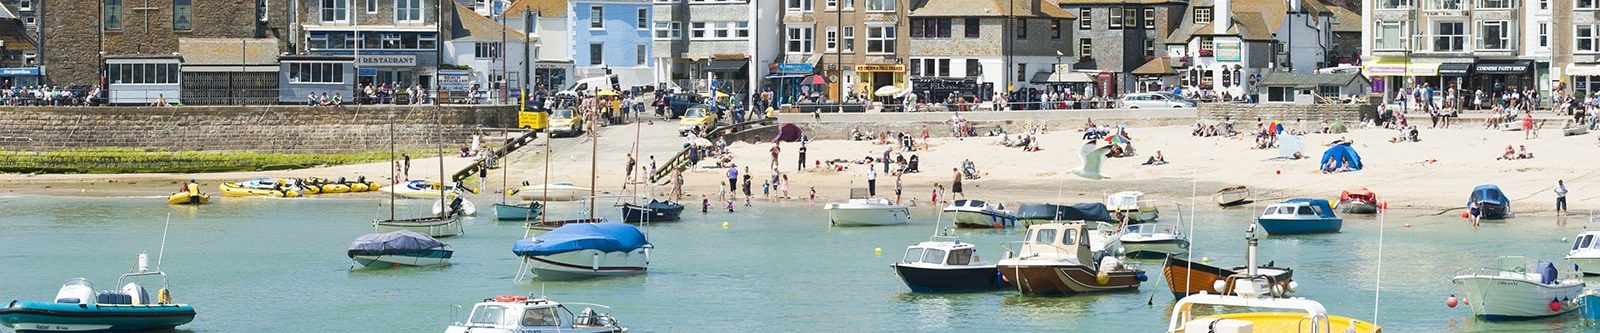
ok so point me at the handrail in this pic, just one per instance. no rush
(681, 159)
(510, 145)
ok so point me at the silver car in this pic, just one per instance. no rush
(1156, 100)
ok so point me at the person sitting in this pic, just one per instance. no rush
(1116, 151)
(1414, 135)
(969, 170)
(1330, 166)
(1156, 160)
(1032, 146)
(1524, 152)
(911, 164)
(1510, 154)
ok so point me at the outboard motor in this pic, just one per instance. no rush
(588, 318)
(455, 205)
(1098, 255)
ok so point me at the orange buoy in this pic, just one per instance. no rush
(1450, 302)
(1463, 214)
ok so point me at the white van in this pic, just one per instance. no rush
(591, 85)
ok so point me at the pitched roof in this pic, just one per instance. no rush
(1285, 79)
(1248, 26)
(467, 25)
(1345, 20)
(15, 36)
(1156, 66)
(989, 8)
(545, 8)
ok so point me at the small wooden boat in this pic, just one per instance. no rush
(1358, 201)
(514, 212)
(655, 211)
(433, 226)
(1232, 196)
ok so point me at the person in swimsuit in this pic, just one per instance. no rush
(955, 186)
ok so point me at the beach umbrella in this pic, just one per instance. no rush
(886, 91)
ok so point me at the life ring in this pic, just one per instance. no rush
(507, 298)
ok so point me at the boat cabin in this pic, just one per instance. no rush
(519, 313)
(1058, 241)
(1125, 201)
(1299, 209)
(941, 254)
(979, 204)
(1586, 241)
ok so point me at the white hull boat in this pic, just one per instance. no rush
(1151, 241)
(1517, 291)
(552, 192)
(867, 212)
(586, 250)
(467, 208)
(1586, 252)
(979, 214)
(1132, 206)
(519, 314)
(589, 264)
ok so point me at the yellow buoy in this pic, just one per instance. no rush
(724, 224)
(1102, 278)
(877, 251)
(1205, 260)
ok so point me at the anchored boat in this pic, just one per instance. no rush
(1517, 289)
(422, 189)
(1232, 196)
(1055, 258)
(399, 248)
(1250, 307)
(1185, 277)
(552, 192)
(1358, 201)
(514, 314)
(262, 186)
(655, 211)
(968, 213)
(189, 196)
(1130, 205)
(1030, 214)
(1586, 252)
(1489, 203)
(867, 212)
(586, 250)
(1299, 216)
(512, 212)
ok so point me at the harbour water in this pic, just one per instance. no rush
(258, 265)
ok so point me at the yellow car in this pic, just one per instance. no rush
(563, 121)
(697, 117)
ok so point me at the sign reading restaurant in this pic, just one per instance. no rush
(387, 60)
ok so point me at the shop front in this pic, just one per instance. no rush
(1390, 75)
(874, 77)
(792, 82)
(19, 76)
(1498, 76)
(1584, 79)
(1453, 74)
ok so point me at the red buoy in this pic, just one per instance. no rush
(1450, 302)
(1463, 214)
(1555, 306)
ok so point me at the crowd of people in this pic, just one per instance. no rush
(50, 96)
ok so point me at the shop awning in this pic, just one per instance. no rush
(1504, 67)
(1455, 69)
(1061, 77)
(726, 65)
(1157, 66)
(1384, 67)
(1423, 69)
(1582, 70)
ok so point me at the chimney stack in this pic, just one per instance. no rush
(1221, 16)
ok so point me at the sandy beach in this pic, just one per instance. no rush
(1432, 175)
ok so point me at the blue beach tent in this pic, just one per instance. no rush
(1340, 154)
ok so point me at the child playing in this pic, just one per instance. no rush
(705, 205)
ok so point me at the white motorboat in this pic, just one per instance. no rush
(586, 250)
(552, 192)
(1151, 241)
(517, 314)
(1516, 289)
(1250, 307)
(1054, 258)
(1586, 252)
(867, 212)
(423, 189)
(969, 213)
(1132, 206)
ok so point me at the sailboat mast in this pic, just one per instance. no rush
(594, 149)
(393, 175)
(444, 206)
(504, 133)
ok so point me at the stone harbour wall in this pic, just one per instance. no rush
(1312, 113)
(266, 129)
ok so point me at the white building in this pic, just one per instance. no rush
(492, 52)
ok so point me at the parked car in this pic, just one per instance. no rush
(697, 117)
(679, 103)
(563, 121)
(1156, 100)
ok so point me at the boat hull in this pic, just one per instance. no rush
(948, 279)
(1358, 207)
(1231, 196)
(1292, 322)
(431, 226)
(183, 198)
(1587, 265)
(553, 193)
(981, 219)
(1512, 298)
(1186, 278)
(1591, 306)
(863, 217)
(31, 316)
(1493, 211)
(637, 214)
(1275, 226)
(1065, 279)
(1154, 248)
(587, 264)
(467, 208)
(426, 258)
(234, 190)
(524, 212)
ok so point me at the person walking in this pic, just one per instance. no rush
(747, 186)
(1561, 197)
(733, 178)
(872, 182)
(886, 159)
(802, 165)
(407, 170)
(897, 187)
(775, 149)
(955, 186)
(631, 163)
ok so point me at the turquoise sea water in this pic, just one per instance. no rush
(256, 265)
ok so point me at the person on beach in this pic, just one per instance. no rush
(802, 164)
(1561, 197)
(407, 170)
(955, 185)
(722, 191)
(785, 186)
(1527, 125)
(775, 149)
(872, 181)
(733, 178)
(1474, 213)
(897, 187)
(631, 163)
(730, 205)
(1523, 152)
(483, 175)
(652, 167)
(677, 183)
(396, 171)
(766, 190)
(747, 186)
(705, 205)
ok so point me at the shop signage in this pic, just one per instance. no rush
(387, 60)
(19, 71)
(794, 67)
(880, 68)
(1511, 68)
(923, 84)
(455, 80)
(1227, 51)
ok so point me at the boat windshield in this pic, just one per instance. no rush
(489, 315)
(933, 256)
(960, 257)
(540, 317)
(1044, 236)
(913, 255)
(1306, 210)
(1582, 242)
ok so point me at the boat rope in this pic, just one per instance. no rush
(1377, 288)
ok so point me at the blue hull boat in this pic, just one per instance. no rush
(505, 212)
(655, 211)
(1300, 216)
(1489, 203)
(33, 316)
(1591, 305)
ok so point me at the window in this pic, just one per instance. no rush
(880, 5)
(916, 67)
(639, 54)
(798, 5)
(182, 15)
(316, 72)
(1202, 15)
(849, 4)
(1445, 4)
(597, 17)
(1398, 4)
(29, 20)
(1085, 18)
(1544, 34)
(880, 40)
(644, 19)
(741, 29)
(25, 5)
(799, 39)
(142, 73)
(486, 51)
(1496, 35)
(1055, 29)
(1085, 47)
(1022, 28)
(831, 4)
(335, 11)
(597, 53)
(832, 40)
(1149, 18)
(930, 67)
(1149, 47)
(1022, 72)
(974, 68)
(1586, 39)
(971, 26)
(1582, 4)
(933, 256)
(1115, 21)
(697, 30)
(1450, 37)
(426, 41)
(944, 67)
(1044, 236)
(849, 39)
(1130, 18)
(1544, 4)
(408, 11)
(1207, 45)
(960, 257)
(930, 28)
(530, 23)
(668, 30)
(1496, 4)
(372, 6)
(113, 15)
(1393, 36)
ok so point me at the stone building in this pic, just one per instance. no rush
(959, 48)
(861, 44)
(1114, 37)
(79, 44)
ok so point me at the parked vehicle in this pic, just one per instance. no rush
(1156, 100)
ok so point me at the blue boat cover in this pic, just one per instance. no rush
(1341, 154)
(605, 237)
(1547, 272)
(1323, 209)
(1489, 193)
